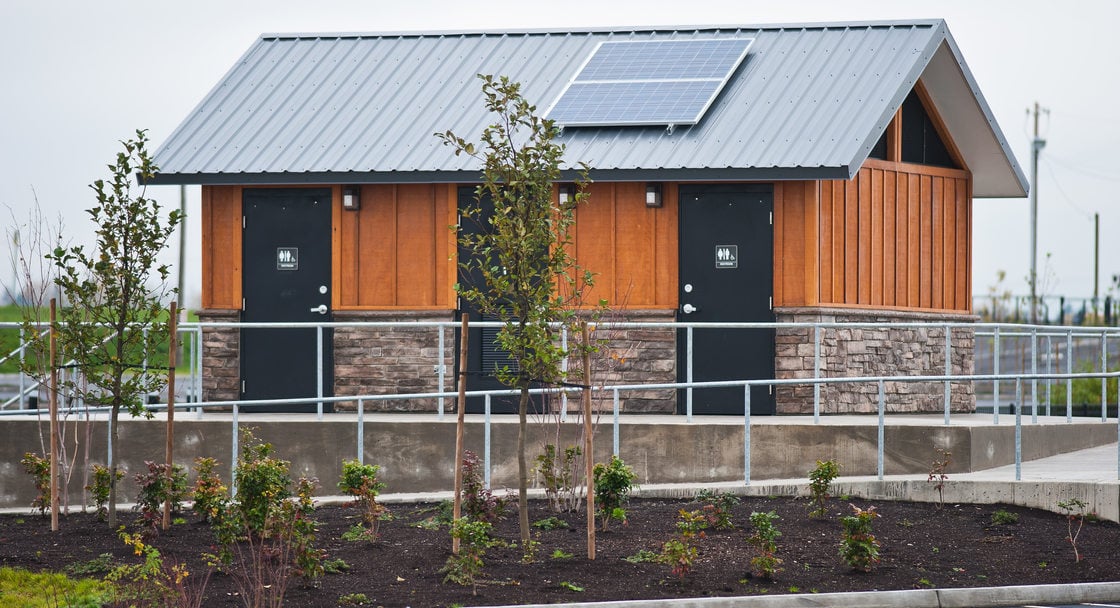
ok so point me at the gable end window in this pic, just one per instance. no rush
(921, 144)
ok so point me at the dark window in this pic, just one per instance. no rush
(920, 142)
(880, 149)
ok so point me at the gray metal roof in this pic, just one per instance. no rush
(808, 102)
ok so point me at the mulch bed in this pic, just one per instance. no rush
(922, 546)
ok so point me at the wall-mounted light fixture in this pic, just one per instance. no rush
(350, 199)
(653, 194)
(567, 193)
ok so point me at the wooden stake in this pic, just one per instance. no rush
(588, 443)
(172, 349)
(54, 420)
(457, 507)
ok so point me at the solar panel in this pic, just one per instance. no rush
(648, 82)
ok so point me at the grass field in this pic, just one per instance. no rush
(9, 341)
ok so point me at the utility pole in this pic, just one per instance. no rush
(1036, 146)
(1096, 259)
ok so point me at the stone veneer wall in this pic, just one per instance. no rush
(873, 352)
(633, 356)
(221, 356)
(388, 360)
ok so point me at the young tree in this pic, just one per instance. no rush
(524, 273)
(113, 294)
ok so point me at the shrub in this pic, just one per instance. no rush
(1074, 508)
(479, 503)
(210, 496)
(155, 488)
(263, 482)
(613, 483)
(859, 549)
(680, 552)
(465, 568)
(360, 481)
(820, 482)
(39, 469)
(718, 507)
(153, 582)
(765, 541)
(560, 477)
(937, 475)
(98, 489)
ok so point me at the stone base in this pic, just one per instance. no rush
(873, 352)
(221, 356)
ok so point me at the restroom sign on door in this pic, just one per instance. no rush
(727, 256)
(287, 258)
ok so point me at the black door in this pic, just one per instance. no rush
(484, 355)
(286, 257)
(726, 275)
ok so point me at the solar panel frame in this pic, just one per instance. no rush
(608, 112)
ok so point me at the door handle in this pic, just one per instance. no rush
(321, 309)
(689, 309)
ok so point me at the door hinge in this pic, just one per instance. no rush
(771, 218)
(242, 303)
(243, 222)
(771, 302)
(242, 387)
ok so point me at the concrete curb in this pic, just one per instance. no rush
(980, 597)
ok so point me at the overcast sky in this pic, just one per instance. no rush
(76, 77)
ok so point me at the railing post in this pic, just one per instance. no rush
(1034, 373)
(816, 373)
(486, 444)
(882, 420)
(747, 434)
(362, 429)
(995, 372)
(948, 371)
(441, 372)
(22, 348)
(1049, 368)
(1104, 379)
(614, 449)
(688, 367)
(564, 372)
(233, 453)
(319, 371)
(1069, 370)
(1019, 429)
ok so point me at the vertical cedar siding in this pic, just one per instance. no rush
(896, 236)
(396, 252)
(630, 248)
(798, 257)
(221, 247)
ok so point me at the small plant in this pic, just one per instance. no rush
(613, 483)
(465, 568)
(1003, 517)
(360, 481)
(101, 564)
(820, 482)
(559, 478)
(335, 566)
(479, 503)
(924, 583)
(551, 523)
(680, 552)
(718, 507)
(571, 586)
(98, 489)
(561, 554)
(644, 556)
(263, 482)
(937, 476)
(529, 550)
(155, 488)
(39, 469)
(209, 495)
(765, 540)
(153, 582)
(859, 549)
(1074, 508)
(354, 599)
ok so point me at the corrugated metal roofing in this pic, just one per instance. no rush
(808, 102)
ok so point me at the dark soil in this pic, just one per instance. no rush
(922, 546)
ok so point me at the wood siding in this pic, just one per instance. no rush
(221, 247)
(896, 236)
(631, 248)
(797, 258)
(397, 251)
